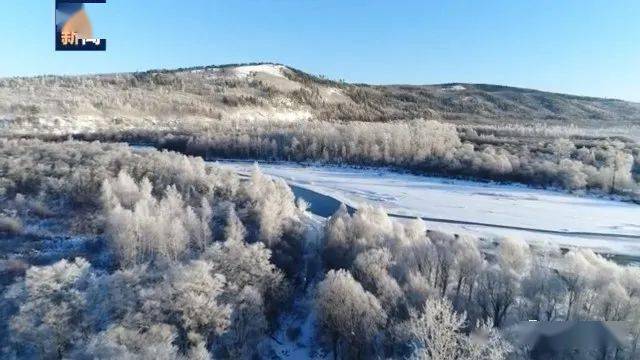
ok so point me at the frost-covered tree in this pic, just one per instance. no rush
(248, 324)
(371, 270)
(244, 265)
(348, 235)
(198, 225)
(485, 342)
(544, 291)
(337, 246)
(234, 229)
(497, 293)
(347, 311)
(112, 298)
(436, 332)
(415, 253)
(469, 263)
(272, 203)
(249, 265)
(53, 304)
(444, 259)
(514, 256)
(118, 342)
(576, 272)
(191, 299)
(149, 228)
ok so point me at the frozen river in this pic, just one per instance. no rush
(482, 209)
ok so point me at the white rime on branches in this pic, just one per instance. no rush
(371, 268)
(50, 317)
(248, 324)
(438, 334)
(347, 310)
(437, 331)
(192, 293)
(119, 342)
(245, 265)
(173, 291)
(272, 204)
(142, 227)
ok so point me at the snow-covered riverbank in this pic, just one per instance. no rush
(467, 201)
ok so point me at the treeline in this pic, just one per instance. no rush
(398, 290)
(434, 148)
(428, 147)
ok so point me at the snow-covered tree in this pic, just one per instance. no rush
(191, 299)
(544, 291)
(272, 203)
(118, 342)
(371, 270)
(436, 332)
(248, 324)
(485, 342)
(149, 228)
(234, 229)
(347, 311)
(51, 316)
(498, 290)
(468, 265)
(244, 265)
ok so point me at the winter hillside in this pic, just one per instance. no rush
(188, 97)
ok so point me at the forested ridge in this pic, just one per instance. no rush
(216, 92)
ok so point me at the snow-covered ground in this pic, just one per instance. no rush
(246, 71)
(301, 320)
(507, 205)
(275, 70)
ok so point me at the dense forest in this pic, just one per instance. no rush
(183, 257)
(109, 251)
(544, 157)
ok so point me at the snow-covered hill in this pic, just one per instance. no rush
(184, 98)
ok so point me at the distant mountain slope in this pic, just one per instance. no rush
(169, 98)
(461, 101)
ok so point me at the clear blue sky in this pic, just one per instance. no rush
(586, 47)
